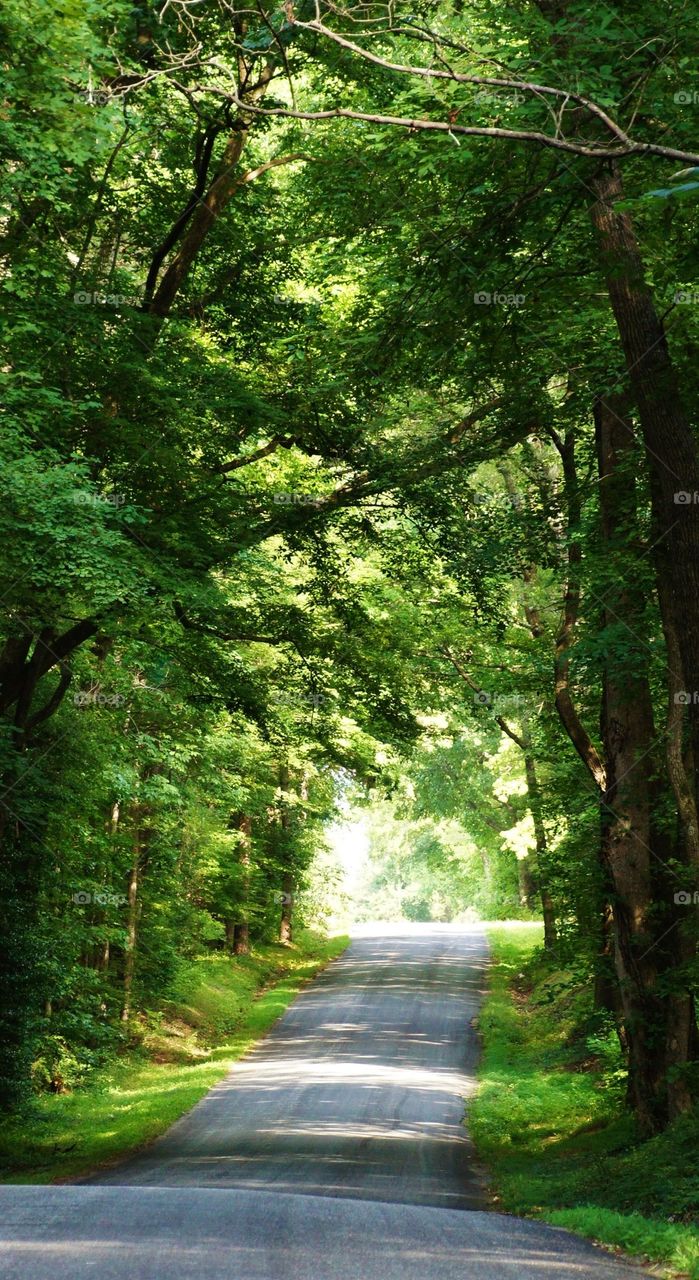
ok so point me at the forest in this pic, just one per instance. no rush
(350, 465)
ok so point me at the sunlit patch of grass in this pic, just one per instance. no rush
(550, 1120)
(134, 1099)
(666, 1242)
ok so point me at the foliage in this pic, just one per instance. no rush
(184, 1051)
(304, 472)
(547, 1115)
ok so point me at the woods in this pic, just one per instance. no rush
(348, 449)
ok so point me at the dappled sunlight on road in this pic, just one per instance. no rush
(359, 1090)
(291, 1071)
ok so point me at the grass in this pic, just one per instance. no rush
(222, 1008)
(550, 1120)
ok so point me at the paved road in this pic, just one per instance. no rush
(358, 1090)
(334, 1151)
(189, 1233)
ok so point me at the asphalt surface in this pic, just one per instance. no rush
(185, 1233)
(357, 1091)
(335, 1149)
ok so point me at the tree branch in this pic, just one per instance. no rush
(499, 720)
(590, 151)
(277, 442)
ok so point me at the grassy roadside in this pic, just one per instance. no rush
(224, 1006)
(550, 1123)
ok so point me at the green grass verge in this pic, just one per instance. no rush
(222, 1008)
(549, 1118)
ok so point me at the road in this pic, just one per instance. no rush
(358, 1090)
(335, 1149)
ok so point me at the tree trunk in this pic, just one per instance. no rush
(241, 938)
(22, 982)
(287, 890)
(237, 927)
(131, 926)
(534, 800)
(606, 990)
(241, 928)
(565, 707)
(205, 214)
(671, 449)
(632, 845)
(527, 883)
(285, 928)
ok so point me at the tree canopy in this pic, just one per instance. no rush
(349, 387)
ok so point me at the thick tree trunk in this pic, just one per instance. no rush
(626, 849)
(241, 938)
(671, 448)
(633, 847)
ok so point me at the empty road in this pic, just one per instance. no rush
(358, 1090)
(336, 1149)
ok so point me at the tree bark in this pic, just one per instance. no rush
(633, 845)
(287, 883)
(534, 800)
(131, 926)
(527, 883)
(671, 448)
(203, 218)
(567, 712)
(285, 924)
(241, 928)
(241, 938)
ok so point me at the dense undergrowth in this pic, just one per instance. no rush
(551, 1122)
(220, 1008)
